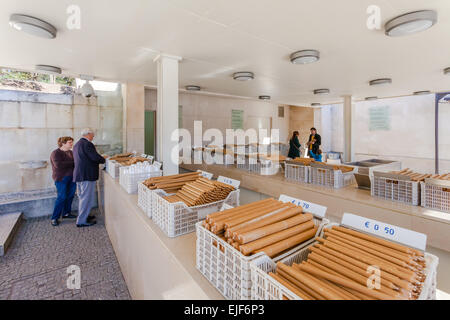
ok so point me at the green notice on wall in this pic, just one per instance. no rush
(380, 118)
(237, 119)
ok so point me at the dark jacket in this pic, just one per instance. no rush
(316, 145)
(294, 146)
(62, 164)
(86, 161)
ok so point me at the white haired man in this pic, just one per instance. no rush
(85, 174)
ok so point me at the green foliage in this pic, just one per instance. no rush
(37, 77)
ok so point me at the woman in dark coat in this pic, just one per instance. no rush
(294, 146)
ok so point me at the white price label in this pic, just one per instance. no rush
(205, 174)
(387, 231)
(143, 155)
(231, 182)
(157, 164)
(150, 158)
(315, 209)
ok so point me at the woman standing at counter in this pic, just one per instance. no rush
(62, 166)
(294, 146)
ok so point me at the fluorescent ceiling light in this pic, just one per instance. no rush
(193, 88)
(48, 69)
(264, 97)
(380, 81)
(322, 91)
(418, 93)
(98, 85)
(371, 98)
(411, 23)
(305, 56)
(243, 76)
(33, 26)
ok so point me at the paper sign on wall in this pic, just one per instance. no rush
(387, 231)
(315, 209)
(205, 174)
(229, 181)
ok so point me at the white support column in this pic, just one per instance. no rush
(348, 136)
(167, 112)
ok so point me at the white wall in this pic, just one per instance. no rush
(409, 140)
(30, 127)
(215, 111)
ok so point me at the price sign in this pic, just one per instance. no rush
(387, 231)
(143, 155)
(315, 209)
(157, 164)
(231, 182)
(205, 174)
(150, 158)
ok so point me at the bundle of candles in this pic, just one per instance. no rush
(121, 156)
(201, 191)
(419, 176)
(337, 268)
(173, 183)
(130, 161)
(302, 161)
(268, 226)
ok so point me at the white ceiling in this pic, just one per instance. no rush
(119, 39)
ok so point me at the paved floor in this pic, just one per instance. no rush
(36, 264)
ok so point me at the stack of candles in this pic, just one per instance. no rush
(340, 264)
(173, 183)
(201, 191)
(268, 226)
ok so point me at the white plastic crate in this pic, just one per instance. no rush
(297, 173)
(331, 178)
(176, 219)
(130, 180)
(113, 168)
(393, 189)
(226, 268)
(142, 196)
(435, 194)
(264, 287)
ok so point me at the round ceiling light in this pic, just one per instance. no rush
(193, 88)
(410, 23)
(305, 56)
(33, 26)
(315, 104)
(380, 81)
(322, 91)
(371, 98)
(48, 69)
(423, 92)
(264, 97)
(243, 76)
(447, 70)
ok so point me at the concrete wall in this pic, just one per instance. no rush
(215, 111)
(134, 117)
(409, 140)
(301, 119)
(30, 124)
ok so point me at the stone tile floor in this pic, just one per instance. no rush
(35, 266)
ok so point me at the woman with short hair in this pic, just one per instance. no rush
(62, 163)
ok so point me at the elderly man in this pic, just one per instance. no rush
(85, 174)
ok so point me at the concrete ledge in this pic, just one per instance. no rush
(39, 97)
(9, 223)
